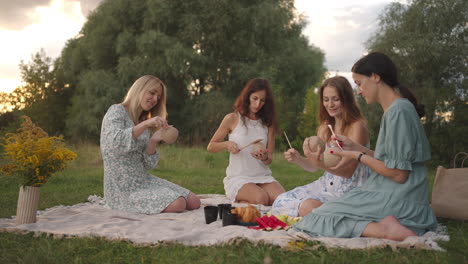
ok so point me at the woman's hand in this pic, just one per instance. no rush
(345, 143)
(292, 155)
(156, 122)
(261, 154)
(232, 147)
(309, 154)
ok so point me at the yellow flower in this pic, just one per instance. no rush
(32, 155)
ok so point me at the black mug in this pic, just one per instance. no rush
(211, 213)
(230, 218)
(222, 208)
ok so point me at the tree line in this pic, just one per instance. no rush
(205, 51)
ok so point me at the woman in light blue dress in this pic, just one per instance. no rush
(338, 108)
(129, 140)
(394, 202)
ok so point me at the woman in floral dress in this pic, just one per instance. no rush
(338, 108)
(394, 201)
(130, 134)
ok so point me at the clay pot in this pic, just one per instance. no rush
(170, 134)
(329, 159)
(315, 142)
(258, 146)
(28, 202)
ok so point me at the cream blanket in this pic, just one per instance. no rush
(188, 228)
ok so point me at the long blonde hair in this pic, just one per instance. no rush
(132, 101)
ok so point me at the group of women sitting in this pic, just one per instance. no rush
(379, 193)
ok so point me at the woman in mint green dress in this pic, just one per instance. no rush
(129, 140)
(393, 202)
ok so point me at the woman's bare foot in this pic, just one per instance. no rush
(388, 228)
(395, 230)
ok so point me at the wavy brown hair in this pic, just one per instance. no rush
(351, 112)
(267, 113)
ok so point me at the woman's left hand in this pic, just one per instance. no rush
(346, 158)
(261, 154)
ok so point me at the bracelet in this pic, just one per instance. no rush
(360, 156)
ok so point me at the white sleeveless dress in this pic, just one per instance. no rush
(243, 168)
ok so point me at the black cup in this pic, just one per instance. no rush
(230, 219)
(222, 208)
(211, 213)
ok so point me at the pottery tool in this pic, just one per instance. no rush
(289, 143)
(251, 143)
(333, 133)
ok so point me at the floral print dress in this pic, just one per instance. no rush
(127, 184)
(327, 188)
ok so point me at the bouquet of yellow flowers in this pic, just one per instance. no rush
(32, 155)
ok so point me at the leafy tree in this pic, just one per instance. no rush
(196, 48)
(427, 40)
(40, 97)
(308, 119)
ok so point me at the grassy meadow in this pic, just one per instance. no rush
(201, 172)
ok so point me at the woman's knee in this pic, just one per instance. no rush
(177, 206)
(307, 206)
(260, 197)
(193, 202)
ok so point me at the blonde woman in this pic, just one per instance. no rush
(129, 140)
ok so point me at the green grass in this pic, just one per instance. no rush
(201, 172)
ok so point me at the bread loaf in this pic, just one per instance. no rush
(247, 214)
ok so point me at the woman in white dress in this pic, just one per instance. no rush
(338, 108)
(248, 177)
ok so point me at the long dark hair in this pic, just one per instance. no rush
(268, 112)
(382, 65)
(350, 113)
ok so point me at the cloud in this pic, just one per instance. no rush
(16, 14)
(88, 5)
(53, 25)
(341, 32)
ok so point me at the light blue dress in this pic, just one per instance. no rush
(402, 144)
(327, 188)
(127, 184)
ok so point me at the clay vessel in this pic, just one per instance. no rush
(329, 159)
(258, 146)
(315, 142)
(170, 134)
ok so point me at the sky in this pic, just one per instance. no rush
(339, 28)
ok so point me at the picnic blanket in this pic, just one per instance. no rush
(93, 218)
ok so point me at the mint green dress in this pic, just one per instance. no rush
(127, 184)
(402, 144)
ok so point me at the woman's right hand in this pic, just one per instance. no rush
(232, 147)
(292, 155)
(156, 122)
(345, 143)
